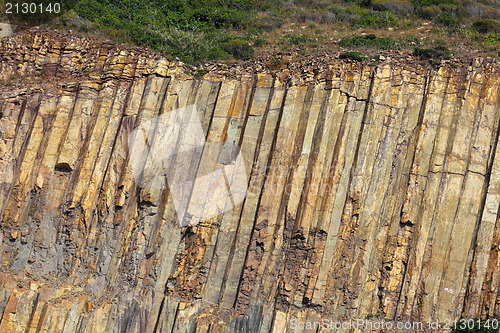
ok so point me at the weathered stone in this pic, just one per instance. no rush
(368, 191)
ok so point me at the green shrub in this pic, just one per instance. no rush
(315, 16)
(192, 30)
(492, 38)
(388, 43)
(275, 63)
(412, 40)
(214, 53)
(487, 25)
(431, 11)
(385, 43)
(84, 28)
(425, 3)
(444, 14)
(353, 55)
(449, 20)
(366, 40)
(199, 73)
(190, 47)
(197, 30)
(259, 42)
(238, 49)
(269, 23)
(378, 20)
(397, 6)
(357, 17)
(435, 53)
(119, 35)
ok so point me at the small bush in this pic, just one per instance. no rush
(293, 40)
(353, 55)
(385, 43)
(120, 35)
(199, 73)
(85, 28)
(435, 53)
(479, 326)
(238, 49)
(358, 17)
(274, 63)
(425, 3)
(412, 40)
(492, 38)
(431, 11)
(191, 30)
(190, 47)
(259, 42)
(398, 6)
(366, 40)
(449, 20)
(444, 14)
(319, 17)
(378, 20)
(269, 23)
(482, 11)
(388, 43)
(487, 25)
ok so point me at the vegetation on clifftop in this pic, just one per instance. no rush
(199, 30)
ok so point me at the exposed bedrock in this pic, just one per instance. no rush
(371, 190)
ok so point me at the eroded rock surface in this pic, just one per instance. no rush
(373, 190)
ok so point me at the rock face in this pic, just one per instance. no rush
(371, 191)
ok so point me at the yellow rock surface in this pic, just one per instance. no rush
(371, 191)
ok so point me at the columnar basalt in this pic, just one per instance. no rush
(372, 190)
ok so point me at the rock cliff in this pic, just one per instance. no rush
(373, 190)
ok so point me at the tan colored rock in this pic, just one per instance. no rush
(370, 192)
